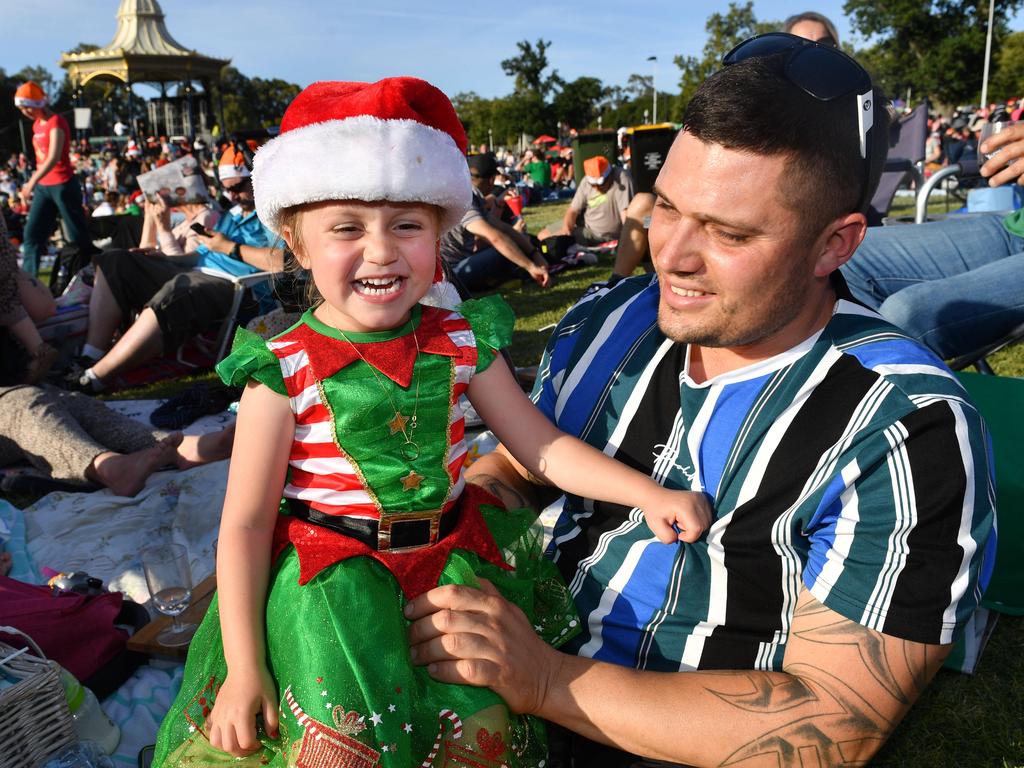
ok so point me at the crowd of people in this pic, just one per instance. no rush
(759, 483)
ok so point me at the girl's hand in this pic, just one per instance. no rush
(232, 722)
(687, 510)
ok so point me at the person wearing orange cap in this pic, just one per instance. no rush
(53, 188)
(602, 197)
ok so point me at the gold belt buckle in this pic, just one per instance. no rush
(387, 521)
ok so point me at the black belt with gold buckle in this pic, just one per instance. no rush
(396, 532)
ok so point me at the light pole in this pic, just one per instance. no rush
(654, 85)
(988, 53)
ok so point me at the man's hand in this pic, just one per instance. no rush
(476, 637)
(26, 193)
(540, 275)
(216, 241)
(1005, 166)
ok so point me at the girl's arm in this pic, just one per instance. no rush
(263, 438)
(559, 459)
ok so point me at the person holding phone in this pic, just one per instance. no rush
(182, 238)
(174, 297)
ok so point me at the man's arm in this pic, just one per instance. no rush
(499, 473)
(842, 691)
(536, 266)
(264, 258)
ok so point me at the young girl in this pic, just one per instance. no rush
(303, 658)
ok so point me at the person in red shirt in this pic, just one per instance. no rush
(53, 189)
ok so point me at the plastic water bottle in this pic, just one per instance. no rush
(89, 721)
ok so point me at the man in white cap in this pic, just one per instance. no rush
(174, 299)
(602, 197)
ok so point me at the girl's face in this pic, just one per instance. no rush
(371, 262)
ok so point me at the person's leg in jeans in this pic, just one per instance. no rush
(484, 270)
(68, 198)
(41, 217)
(952, 284)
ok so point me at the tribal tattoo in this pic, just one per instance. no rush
(843, 691)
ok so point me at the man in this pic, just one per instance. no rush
(175, 300)
(848, 471)
(602, 197)
(503, 252)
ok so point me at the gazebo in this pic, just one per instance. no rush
(143, 51)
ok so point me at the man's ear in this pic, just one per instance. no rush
(838, 243)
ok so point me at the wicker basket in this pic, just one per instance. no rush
(33, 712)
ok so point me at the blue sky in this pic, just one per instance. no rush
(456, 45)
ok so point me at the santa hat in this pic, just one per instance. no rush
(232, 165)
(132, 149)
(398, 139)
(30, 95)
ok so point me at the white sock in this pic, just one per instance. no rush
(93, 353)
(90, 378)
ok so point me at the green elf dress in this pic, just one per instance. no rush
(375, 511)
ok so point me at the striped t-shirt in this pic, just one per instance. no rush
(853, 464)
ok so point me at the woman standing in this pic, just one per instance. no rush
(53, 189)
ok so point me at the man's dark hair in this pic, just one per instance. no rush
(485, 165)
(752, 106)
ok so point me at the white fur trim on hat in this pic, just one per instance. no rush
(361, 158)
(227, 171)
(21, 101)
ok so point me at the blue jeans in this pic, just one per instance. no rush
(955, 284)
(484, 270)
(48, 202)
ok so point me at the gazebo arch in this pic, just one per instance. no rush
(143, 51)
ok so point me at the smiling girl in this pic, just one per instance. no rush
(353, 416)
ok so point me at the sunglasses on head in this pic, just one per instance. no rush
(819, 70)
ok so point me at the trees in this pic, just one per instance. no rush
(1008, 81)
(933, 48)
(724, 31)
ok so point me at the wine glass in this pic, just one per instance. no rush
(169, 579)
(991, 129)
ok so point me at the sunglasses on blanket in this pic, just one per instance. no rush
(820, 71)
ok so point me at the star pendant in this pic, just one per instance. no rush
(398, 423)
(411, 482)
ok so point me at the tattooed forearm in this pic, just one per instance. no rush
(844, 689)
(510, 497)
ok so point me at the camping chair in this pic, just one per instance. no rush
(907, 138)
(241, 283)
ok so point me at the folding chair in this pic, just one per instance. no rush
(907, 138)
(241, 284)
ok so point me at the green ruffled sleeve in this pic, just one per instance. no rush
(250, 359)
(492, 321)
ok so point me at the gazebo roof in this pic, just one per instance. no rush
(142, 51)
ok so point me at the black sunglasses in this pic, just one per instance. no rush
(819, 70)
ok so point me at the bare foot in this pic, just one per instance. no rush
(125, 474)
(5, 563)
(202, 449)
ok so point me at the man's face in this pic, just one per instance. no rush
(483, 183)
(239, 191)
(734, 266)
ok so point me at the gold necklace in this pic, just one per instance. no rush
(399, 422)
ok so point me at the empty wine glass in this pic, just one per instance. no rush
(991, 129)
(169, 579)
